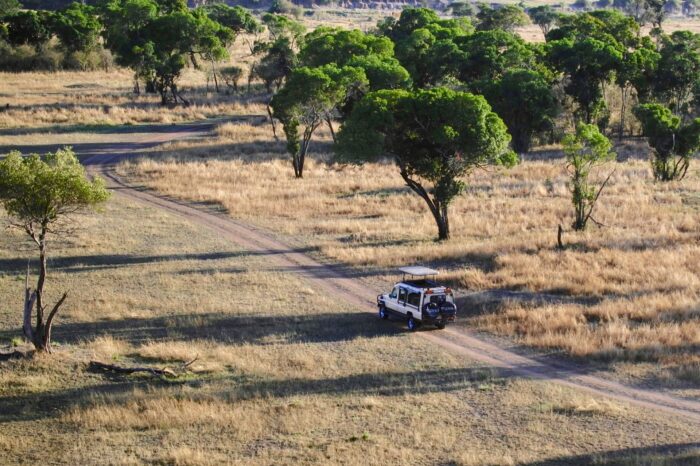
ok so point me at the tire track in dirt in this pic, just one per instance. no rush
(333, 279)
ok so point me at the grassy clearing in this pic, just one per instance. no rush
(284, 375)
(628, 291)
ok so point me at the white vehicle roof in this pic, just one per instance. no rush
(418, 271)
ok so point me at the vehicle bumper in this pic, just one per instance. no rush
(438, 319)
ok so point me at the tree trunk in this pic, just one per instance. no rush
(439, 211)
(622, 113)
(443, 223)
(330, 126)
(272, 120)
(40, 335)
(213, 70)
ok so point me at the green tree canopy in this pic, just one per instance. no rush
(673, 142)
(327, 45)
(77, 27)
(310, 97)
(39, 193)
(678, 69)
(9, 7)
(435, 136)
(505, 17)
(29, 28)
(586, 150)
(525, 100)
(236, 19)
(487, 55)
(588, 49)
(544, 17)
(425, 44)
(155, 38)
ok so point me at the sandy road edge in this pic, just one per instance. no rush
(332, 280)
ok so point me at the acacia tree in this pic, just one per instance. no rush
(505, 17)
(425, 44)
(29, 28)
(156, 38)
(673, 143)
(678, 69)
(311, 97)
(435, 137)
(544, 17)
(373, 54)
(524, 99)
(585, 151)
(77, 27)
(39, 194)
(234, 19)
(588, 48)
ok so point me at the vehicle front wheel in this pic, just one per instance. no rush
(412, 324)
(440, 326)
(383, 314)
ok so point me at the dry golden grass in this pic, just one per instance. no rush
(66, 101)
(631, 288)
(281, 378)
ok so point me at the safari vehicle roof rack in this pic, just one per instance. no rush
(418, 271)
(418, 276)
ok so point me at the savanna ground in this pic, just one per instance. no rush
(285, 374)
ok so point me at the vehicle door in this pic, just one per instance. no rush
(412, 303)
(401, 300)
(391, 301)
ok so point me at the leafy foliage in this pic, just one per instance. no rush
(29, 28)
(425, 44)
(77, 27)
(39, 194)
(544, 17)
(487, 55)
(678, 69)
(435, 136)
(156, 38)
(585, 151)
(674, 143)
(310, 97)
(505, 17)
(588, 49)
(524, 99)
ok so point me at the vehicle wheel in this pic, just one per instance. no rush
(383, 314)
(440, 326)
(412, 324)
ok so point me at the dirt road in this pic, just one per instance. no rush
(335, 281)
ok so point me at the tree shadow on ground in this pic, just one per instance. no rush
(257, 326)
(675, 454)
(77, 264)
(232, 387)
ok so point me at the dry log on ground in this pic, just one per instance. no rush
(164, 372)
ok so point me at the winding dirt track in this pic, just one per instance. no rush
(334, 280)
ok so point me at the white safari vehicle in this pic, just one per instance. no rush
(419, 299)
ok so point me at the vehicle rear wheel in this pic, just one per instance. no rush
(440, 326)
(383, 314)
(412, 324)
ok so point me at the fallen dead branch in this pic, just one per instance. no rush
(164, 372)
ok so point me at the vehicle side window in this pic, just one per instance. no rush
(413, 299)
(402, 295)
(394, 292)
